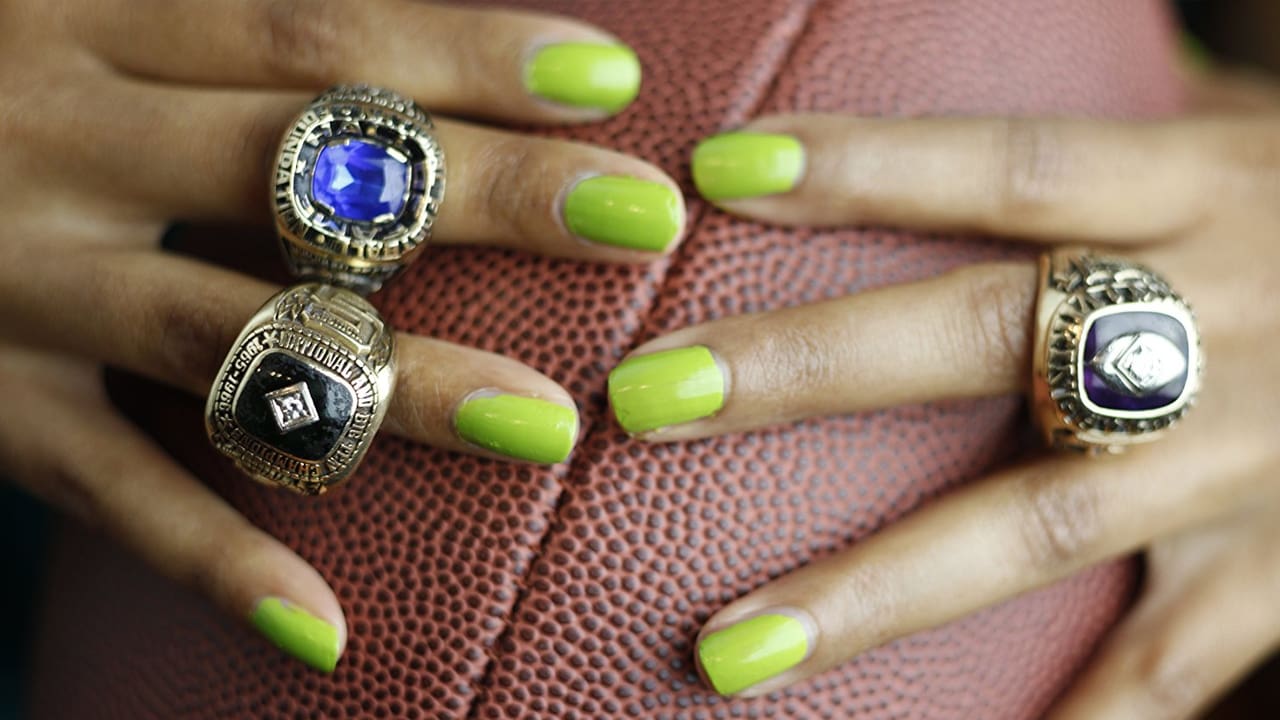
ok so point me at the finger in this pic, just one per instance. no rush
(1188, 641)
(964, 334)
(1039, 179)
(203, 154)
(99, 467)
(1233, 90)
(1020, 530)
(174, 320)
(492, 63)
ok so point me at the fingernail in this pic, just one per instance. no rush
(744, 164)
(752, 651)
(519, 427)
(589, 75)
(666, 388)
(624, 212)
(297, 632)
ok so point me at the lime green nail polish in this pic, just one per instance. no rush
(743, 165)
(519, 427)
(666, 388)
(297, 632)
(590, 75)
(623, 211)
(753, 650)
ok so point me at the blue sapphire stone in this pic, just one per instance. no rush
(360, 180)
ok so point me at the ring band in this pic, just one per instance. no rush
(1117, 356)
(358, 184)
(304, 388)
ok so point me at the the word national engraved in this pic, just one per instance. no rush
(304, 388)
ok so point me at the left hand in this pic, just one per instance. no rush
(1197, 200)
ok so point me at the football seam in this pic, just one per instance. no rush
(600, 422)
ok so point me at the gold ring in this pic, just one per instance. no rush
(359, 181)
(1117, 356)
(304, 388)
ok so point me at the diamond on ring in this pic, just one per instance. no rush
(303, 390)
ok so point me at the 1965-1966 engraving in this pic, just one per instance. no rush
(304, 389)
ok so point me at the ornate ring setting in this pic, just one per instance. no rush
(1117, 356)
(358, 183)
(304, 388)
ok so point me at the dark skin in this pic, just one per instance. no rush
(35, 369)
(88, 203)
(1242, 32)
(1193, 198)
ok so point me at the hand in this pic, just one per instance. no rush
(1196, 199)
(120, 116)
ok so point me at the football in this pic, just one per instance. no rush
(482, 589)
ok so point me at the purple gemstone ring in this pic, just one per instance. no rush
(358, 184)
(1117, 356)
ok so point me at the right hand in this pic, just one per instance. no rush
(120, 116)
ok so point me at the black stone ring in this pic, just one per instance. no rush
(358, 184)
(304, 388)
(1117, 357)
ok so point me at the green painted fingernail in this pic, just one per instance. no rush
(666, 388)
(297, 632)
(519, 427)
(623, 211)
(744, 164)
(756, 649)
(589, 75)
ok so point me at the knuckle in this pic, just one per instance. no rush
(24, 121)
(870, 610)
(57, 480)
(217, 565)
(1250, 155)
(1060, 523)
(190, 339)
(303, 39)
(503, 190)
(992, 320)
(73, 491)
(1169, 686)
(256, 141)
(1030, 171)
(411, 411)
(797, 359)
(1246, 144)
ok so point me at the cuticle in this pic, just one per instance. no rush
(804, 617)
(725, 379)
(562, 198)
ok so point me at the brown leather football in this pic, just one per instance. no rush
(483, 589)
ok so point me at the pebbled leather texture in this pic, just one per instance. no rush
(488, 590)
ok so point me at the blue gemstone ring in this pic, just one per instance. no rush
(359, 181)
(1117, 357)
